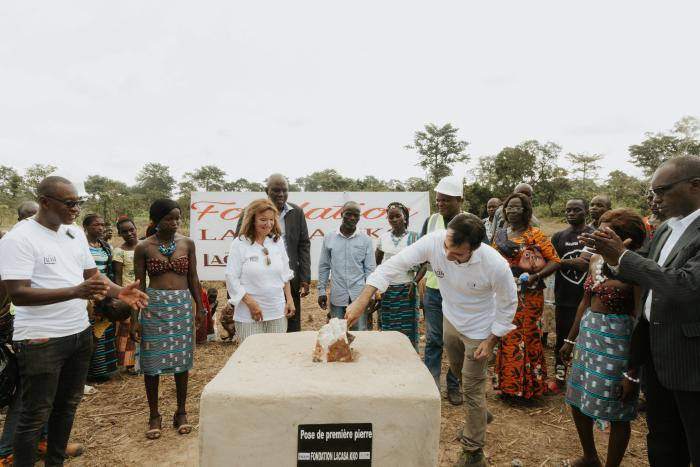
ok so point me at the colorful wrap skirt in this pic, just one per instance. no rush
(399, 312)
(104, 358)
(166, 332)
(602, 352)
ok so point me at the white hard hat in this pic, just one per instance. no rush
(450, 186)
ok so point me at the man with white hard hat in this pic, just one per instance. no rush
(448, 199)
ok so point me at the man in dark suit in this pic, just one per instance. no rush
(295, 234)
(669, 273)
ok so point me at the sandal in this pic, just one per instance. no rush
(182, 428)
(154, 433)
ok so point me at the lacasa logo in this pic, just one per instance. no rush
(231, 211)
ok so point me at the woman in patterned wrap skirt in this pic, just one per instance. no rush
(521, 368)
(398, 307)
(602, 384)
(165, 328)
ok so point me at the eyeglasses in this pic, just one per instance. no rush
(268, 261)
(663, 189)
(69, 203)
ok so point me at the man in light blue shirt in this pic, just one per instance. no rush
(348, 256)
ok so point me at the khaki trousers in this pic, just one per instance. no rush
(460, 353)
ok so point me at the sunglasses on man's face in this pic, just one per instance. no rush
(69, 203)
(266, 252)
(663, 189)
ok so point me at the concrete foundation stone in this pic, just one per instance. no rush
(250, 412)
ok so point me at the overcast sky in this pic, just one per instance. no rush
(102, 87)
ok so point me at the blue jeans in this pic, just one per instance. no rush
(53, 373)
(339, 312)
(432, 310)
(8, 430)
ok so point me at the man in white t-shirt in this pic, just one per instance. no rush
(49, 274)
(479, 299)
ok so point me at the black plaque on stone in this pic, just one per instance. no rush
(334, 444)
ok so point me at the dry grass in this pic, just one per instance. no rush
(113, 421)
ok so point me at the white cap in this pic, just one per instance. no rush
(450, 186)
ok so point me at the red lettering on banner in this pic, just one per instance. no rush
(225, 214)
(316, 233)
(203, 235)
(381, 211)
(323, 215)
(373, 232)
(214, 260)
(337, 214)
(228, 234)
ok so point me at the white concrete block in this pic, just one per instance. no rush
(250, 412)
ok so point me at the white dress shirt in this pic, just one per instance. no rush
(678, 225)
(479, 297)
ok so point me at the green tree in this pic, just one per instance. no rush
(627, 191)
(106, 195)
(325, 180)
(154, 181)
(656, 148)
(371, 183)
(502, 172)
(438, 149)
(33, 175)
(243, 185)
(552, 192)
(418, 184)
(10, 183)
(586, 165)
(206, 178)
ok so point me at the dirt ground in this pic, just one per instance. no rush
(112, 422)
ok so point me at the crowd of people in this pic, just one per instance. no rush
(623, 289)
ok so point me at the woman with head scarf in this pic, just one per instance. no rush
(165, 326)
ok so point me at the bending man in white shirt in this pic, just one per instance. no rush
(479, 303)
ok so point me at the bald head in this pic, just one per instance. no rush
(684, 166)
(350, 205)
(27, 209)
(277, 190)
(51, 185)
(491, 207)
(275, 179)
(525, 189)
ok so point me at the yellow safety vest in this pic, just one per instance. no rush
(435, 222)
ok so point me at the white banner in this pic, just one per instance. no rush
(213, 219)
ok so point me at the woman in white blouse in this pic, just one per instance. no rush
(258, 273)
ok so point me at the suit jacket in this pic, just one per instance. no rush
(298, 244)
(674, 327)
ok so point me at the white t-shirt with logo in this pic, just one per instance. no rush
(51, 260)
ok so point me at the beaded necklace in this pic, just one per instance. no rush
(396, 240)
(599, 277)
(167, 250)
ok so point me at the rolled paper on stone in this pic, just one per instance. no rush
(332, 342)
